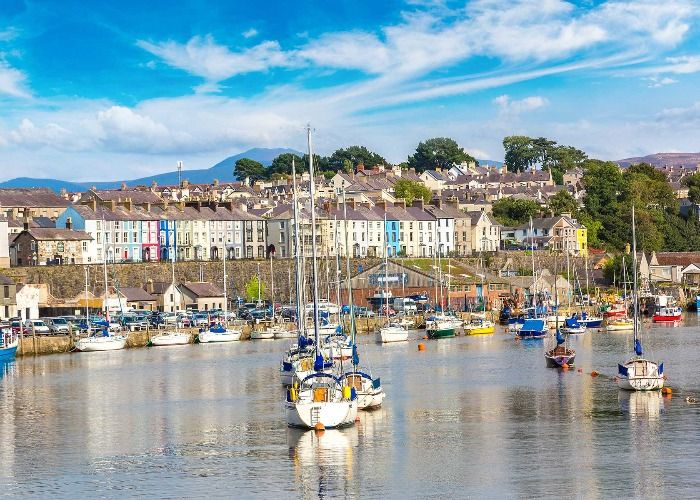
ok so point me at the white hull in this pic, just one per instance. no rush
(642, 375)
(94, 344)
(552, 321)
(208, 337)
(619, 327)
(170, 338)
(328, 330)
(262, 335)
(392, 334)
(574, 331)
(368, 400)
(286, 334)
(329, 414)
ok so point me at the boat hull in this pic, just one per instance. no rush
(96, 344)
(558, 361)
(620, 327)
(591, 323)
(219, 337)
(10, 351)
(262, 335)
(657, 318)
(441, 333)
(386, 335)
(331, 415)
(483, 330)
(640, 374)
(170, 339)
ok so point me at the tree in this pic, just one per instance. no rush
(410, 190)
(440, 152)
(520, 153)
(251, 289)
(346, 160)
(563, 202)
(602, 182)
(693, 184)
(252, 169)
(613, 270)
(513, 212)
(282, 164)
(320, 164)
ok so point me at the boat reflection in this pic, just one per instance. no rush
(641, 404)
(323, 461)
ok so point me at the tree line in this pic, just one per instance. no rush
(438, 152)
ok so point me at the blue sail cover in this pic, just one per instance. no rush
(622, 370)
(560, 338)
(355, 356)
(318, 363)
(533, 328)
(339, 329)
(217, 329)
(661, 369)
(105, 332)
(572, 322)
(638, 347)
(303, 342)
(324, 314)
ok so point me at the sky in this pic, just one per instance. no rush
(112, 90)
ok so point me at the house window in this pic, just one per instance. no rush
(126, 237)
(6, 291)
(84, 246)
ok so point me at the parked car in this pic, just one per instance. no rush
(57, 325)
(364, 312)
(134, 323)
(18, 327)
(37, 326)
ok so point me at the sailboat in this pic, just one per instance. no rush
(560, 356)
(572, 326)
(175, 337)
(369, 391)
(533, 328)
(619, 321)
(638, 373)
(321, 400)
(392, 331)
(221, 332)
(8, 344)
(298, 361)
(440, 325)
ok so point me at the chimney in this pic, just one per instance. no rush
(360, 167)
(127, 204)
(165, 203)
(64, 193)
(25, 223)
(185, 184)
(215, 183)
(111, 205)
(181, 206)
(353, 204)
(147, 206)
(123, 186)
(229, 205)
(400, 203)
(198, 206)
(149, 286)
(154, 185)
(418, 202)
(381, 205)
(93, 204)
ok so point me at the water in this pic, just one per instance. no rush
(477, 416)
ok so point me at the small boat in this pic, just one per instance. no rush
(219, 333)
(266, 334)
(392, 332)
(370, 394)
(533, 329)
(337, 346)
(560, 356)
(617, 310)
(697, 303)
(619, 325)
(638, 373)
(590, 321)
(8, 344)
(321, 400)
(555, 319)
(284, 333)
(573, 327)
(479, 327)
(170, 338)
(667, 314)
(440, 328)
(101, 341)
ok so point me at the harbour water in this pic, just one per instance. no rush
(467, 417)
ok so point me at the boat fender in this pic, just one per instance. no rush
(667, 391)
(421, 347)
(353, 394)
(346, 392)
(319, 427)
(594, 374)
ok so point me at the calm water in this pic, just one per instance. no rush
(477, 416)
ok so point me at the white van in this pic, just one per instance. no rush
(405, 305)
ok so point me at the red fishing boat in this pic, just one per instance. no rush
(667, 314)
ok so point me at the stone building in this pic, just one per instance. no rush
(18, 203)
(49, 246)
(8, 298)
(201, 296)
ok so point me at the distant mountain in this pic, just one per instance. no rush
(222, 171)
(29, 182)
(664, 159)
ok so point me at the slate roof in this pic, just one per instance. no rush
(203, 289)
(31, 198)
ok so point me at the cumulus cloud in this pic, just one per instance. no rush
(12, 81)
(509, 106)
(250, 33)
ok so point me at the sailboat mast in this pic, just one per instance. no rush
(104, 271)
(386, 273)
(225, 291)
(87, 312)
(272, 288)
(534, 279)
(337, 265)
(301, 314)
(347, 268)
(634, 279)
(314, 263)
(172, 267)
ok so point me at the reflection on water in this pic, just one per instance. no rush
(469, 416)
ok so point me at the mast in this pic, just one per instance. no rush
(337, 266)
(314, 263)
(172, 266)
(104, 271)
(386, 273)
(272, 288)
(534, 279)
(225, 291)
(87, 311)
(634, 281)
(301, 314)
(588, 291)
(437, 276)
(347, 269)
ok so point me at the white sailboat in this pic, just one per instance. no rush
(321, 400)
(638, 373)
(392, 331)
(171, 337)
(221, 332)
(98, 340)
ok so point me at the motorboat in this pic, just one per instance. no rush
(101, 341)
(169, 338)
(479, 327)
(219, 333)
(667, 314)
(392, 332)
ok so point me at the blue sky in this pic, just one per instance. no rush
(109, 90)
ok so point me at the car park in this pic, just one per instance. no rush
(37, 326)
(58, 325)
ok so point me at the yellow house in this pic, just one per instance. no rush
(582, 240)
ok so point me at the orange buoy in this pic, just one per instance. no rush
(319, 427)
(421, 347)
(667, 391)
(565, 367)
(594, 373)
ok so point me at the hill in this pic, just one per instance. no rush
(664, 159)
(31, 182)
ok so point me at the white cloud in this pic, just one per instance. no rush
(201, 56)
(509, 106)
(250, 33)
(8, 34)
(688, 117)
(12, 81)
(657, 81)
